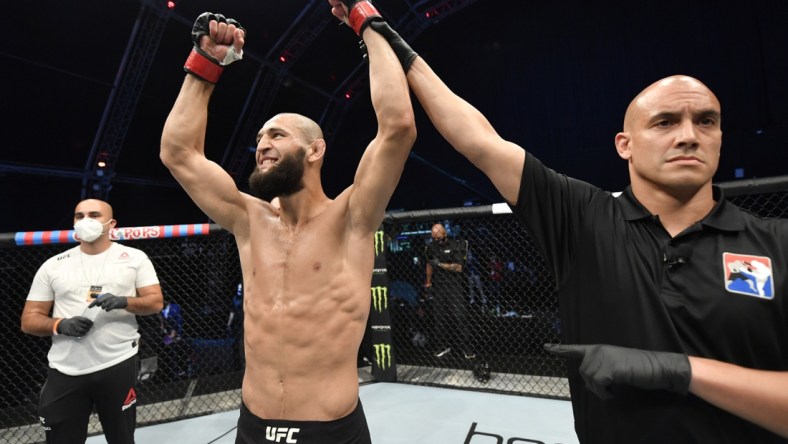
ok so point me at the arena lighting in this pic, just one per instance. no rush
(102, 160)
(282, 58)
(348, 95)
(170, 4)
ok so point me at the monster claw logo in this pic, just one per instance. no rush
(379, 242)
(380, 298)
(383, 356)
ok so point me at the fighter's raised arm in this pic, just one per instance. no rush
(381, 165)
(462, 125)
(218, 41)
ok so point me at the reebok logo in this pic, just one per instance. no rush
(277, 434)
(131, 399)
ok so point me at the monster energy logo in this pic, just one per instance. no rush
(383, 356)
(380, 298)
(379, 242)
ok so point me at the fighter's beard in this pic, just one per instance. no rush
(281, 180)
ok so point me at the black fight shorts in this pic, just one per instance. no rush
(352, 429)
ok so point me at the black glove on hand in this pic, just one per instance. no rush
(402, 50)
(201, 28)
(604, 366)
(109, 301)
(203, 65)
(77, 326)
(434, 262)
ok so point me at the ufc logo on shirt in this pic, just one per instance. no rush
(276, 434)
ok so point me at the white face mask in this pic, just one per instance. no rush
(88, 229)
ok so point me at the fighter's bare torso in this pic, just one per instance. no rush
(306, 303)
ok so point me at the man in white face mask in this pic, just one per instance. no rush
(86, 299)
(88, 229)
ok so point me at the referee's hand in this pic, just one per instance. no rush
(605, 366)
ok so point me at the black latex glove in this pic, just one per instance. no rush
(605, 366)
(77, 326)
(109, 301)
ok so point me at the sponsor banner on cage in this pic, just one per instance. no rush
(380, 253)
(124, 233)
(380, 302)
(383, 360)
(383, 368)
(379, 299)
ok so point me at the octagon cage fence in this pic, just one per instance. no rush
(191, 354)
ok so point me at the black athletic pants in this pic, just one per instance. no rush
(67, 401)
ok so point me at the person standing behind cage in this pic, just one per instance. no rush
(86, 298)
(476, 293)
(445, 279)
(664, 345)
(495, 272)
(176, 353)
(307, 263)
(235, 325)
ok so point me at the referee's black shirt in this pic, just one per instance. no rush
(717, 290)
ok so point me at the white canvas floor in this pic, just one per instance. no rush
(408, 414)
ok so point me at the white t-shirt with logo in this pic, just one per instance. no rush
(67, 279)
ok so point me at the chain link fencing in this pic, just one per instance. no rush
(507, 307)
(486, 330)
(191, 354)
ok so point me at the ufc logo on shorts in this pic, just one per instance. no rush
(276, 434)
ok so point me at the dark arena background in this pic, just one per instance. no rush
(86, 87)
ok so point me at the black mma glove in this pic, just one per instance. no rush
(77, 326)
(605, 366)
(435, 262)
(202, 65)
(109, 302)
